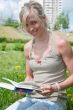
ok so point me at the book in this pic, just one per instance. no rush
(26, 87)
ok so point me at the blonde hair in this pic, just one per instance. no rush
(33, 5)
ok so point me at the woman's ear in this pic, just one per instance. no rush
(44, 17)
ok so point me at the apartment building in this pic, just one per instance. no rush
(52, 9)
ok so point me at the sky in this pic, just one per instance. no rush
(10, 8)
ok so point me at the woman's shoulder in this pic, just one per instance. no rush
(60, 39)
(27, 48)
(61, 43)
(28, 45)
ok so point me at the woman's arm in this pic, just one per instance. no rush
(29, 72)
(67, 55)
(63, 49)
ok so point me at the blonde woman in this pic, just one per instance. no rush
(47, 57)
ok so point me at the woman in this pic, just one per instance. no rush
(47, 57)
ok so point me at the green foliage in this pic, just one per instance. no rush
(62, 22)
(57, 23)
(69, 95)
(3, 46)
(70, 98)
(19, 46)
(11, 40)
(65, 21)
(12, 23)
(2, 39)
(71, 43)
(12, 65)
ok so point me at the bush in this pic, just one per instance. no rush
(19, 46)
(70, 98)
(11, 40)
(12, 23)
(3, 46)
(71, 43)
(2, 39)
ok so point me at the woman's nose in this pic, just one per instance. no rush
(31, 29)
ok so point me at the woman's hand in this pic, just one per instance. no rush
(47, 89)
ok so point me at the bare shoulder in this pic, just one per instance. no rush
(27, 48)
(28, 45)
(61, 42)
(63, 45)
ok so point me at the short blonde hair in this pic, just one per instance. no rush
(33, 5)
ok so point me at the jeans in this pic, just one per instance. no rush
(28, 103)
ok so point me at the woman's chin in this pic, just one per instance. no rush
(34, 34)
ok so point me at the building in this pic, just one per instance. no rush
(52, 9)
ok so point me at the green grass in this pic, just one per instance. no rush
(11, 46)
(12, 65)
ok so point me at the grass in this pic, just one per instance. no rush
(12, 33)
(11, 46)
(12, 65)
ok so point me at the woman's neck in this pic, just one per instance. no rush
(44, 36)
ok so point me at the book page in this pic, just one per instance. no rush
(7, 86)
(23, 85)
(11, 81)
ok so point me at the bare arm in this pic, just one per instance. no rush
(67, 55)
(63, 49)
(29, 72)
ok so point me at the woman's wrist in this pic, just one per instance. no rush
(56, 87)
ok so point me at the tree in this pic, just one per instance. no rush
(62, 21)
(12, 23)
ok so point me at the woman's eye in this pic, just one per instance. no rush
(34, 22)
(26, 25)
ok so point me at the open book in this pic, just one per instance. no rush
(26, 87)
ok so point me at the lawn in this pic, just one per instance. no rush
(12, 65)
(12, 33)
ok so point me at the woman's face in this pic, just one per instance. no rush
(34, 25)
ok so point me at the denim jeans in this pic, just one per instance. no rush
(28, 103)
